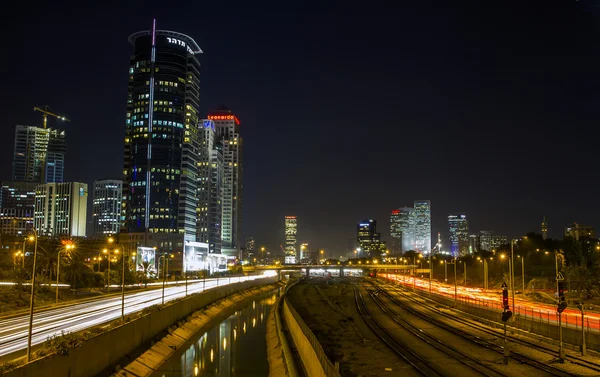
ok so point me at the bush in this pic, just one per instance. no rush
(60, 344)
(10, 365)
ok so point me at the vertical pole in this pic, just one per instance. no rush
(186, 279)
(414, 272)
(108, 276)
(512, 273)
(164, 277)
(445, 272)
(31, 301)
(57, 274)
(465, 266)
(583, 347)
(506, 354)
(561, 351)
(430, 271)
(123, 286)
(523, 271)
(556, 266)
(455, 290)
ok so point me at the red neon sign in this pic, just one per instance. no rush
(225, 117)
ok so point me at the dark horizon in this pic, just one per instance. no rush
(346, 113)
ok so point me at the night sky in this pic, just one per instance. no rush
(486, 108)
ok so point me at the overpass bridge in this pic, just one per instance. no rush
(342, 269)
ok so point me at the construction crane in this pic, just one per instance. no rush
(47, 110)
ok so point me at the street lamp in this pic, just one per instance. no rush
(165, 258)
(68, 247)
(31, 238)
(322, 255)
(522, 270)
(262, 249)
(511, 266)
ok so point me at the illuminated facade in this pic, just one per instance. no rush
(39, 154)
(210, 187)
(490, 241)
(459, 234)
(368, 240)
(17, 202)
(108, 195)
(61, 209)
(291, 241)
(422, 218)
(160, 172)
(402, 230)
(227, 127)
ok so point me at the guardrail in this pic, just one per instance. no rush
(308, 346)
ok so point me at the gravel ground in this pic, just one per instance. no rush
(330, 312)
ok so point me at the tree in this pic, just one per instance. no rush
(77, 272)
(580, 279)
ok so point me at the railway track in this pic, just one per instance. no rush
(417, 362)
(458, 355)
(514, 355)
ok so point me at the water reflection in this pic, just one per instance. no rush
(223, 351)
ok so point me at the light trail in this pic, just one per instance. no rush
(80, 316)
(491, 299)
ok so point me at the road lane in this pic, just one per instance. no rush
(79, 316)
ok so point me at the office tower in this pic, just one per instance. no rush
(304, 252)
(210, 187)
(491, 242)
(17, 202)
(228, 129)
(291, 242)
(108, 195)
(39, 154)
(60, 209)
(249, 250)
(422, 219)
(576, 231)
(402, 230)
(544, 228)
(160, 173)
(459, 234)
(368, 240)
(473, 243)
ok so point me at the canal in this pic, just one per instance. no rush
(235, 346)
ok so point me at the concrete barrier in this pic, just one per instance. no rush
(314, 360)
(97, 354)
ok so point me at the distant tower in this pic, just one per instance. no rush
(544, 228)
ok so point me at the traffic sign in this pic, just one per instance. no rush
(560, 276)
(504, 285)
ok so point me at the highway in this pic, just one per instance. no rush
(491, 299)
(79, 316)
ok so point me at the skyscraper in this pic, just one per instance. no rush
(422, 218)
(291, 241)
(402, 229)
(459, 234)
(161, 141)
(61, 209)
(210, 187)
(228, 129)
(368, 240)
(39, 154)
(108, 196)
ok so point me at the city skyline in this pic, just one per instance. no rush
(502, 182)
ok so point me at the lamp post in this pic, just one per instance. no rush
(123, 286)
(262, 249)
(67, 248)
(430, 271)
(322, 255)
(511, 267)
(455, 287)
(165, 258)
(31, 301)
(522, 270)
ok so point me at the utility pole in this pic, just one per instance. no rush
(455, 287)
(465, 266)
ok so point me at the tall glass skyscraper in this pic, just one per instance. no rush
(227, 126)
(39, 154)
(459, 234)
(291, 240)
(402, 229)
(422, 216)
(161, 140)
